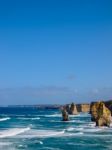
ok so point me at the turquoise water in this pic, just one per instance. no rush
(32, 129)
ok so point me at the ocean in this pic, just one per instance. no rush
(33, 129)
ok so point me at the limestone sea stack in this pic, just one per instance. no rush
(65, 116)
(100, 114)
(71, 109)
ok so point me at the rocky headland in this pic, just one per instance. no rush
(101, 111)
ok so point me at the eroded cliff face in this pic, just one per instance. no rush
(100, 114)
(83, 108)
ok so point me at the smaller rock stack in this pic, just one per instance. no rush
(65, 116)
(100, 114)
(71, 109)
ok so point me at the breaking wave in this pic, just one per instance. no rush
(13, 132)
(53, 115)
(4, 119)
(36, 118)
(41, 134)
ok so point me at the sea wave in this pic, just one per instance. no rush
(93, 130)
(41, 134)
(23, 118)
(48, 133)
(69, 121)
(4, 119)
(62, 121)
(5, 143)
(60, 115)
(13, 132)
(72, 134)
(53, 115)
(74, 129)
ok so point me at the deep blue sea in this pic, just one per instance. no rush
(33, 129)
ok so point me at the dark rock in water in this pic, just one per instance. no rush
(100, 114)
(65, 115)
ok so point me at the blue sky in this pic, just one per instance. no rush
(55, 51)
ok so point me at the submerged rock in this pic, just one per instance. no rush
(100, 114)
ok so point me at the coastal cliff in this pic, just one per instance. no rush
(100, 111)
(77, 108)
(100, 114)
(83, 107)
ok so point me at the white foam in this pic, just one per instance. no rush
(41, 134)
(93, 130)
(22, 146)
(51, 148)
(46, 133)
(73, 134)
(60, 115)
(5, 143)
(70, 129)
(92, 124)
(69, 121)
(36, 118)
(79, 129)
(74, 115)
(76, 129)
(41, 142)
(80, 115)
(54, 115)
(13, 132)
(80, 121)
(98, 135)
(4, 119)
